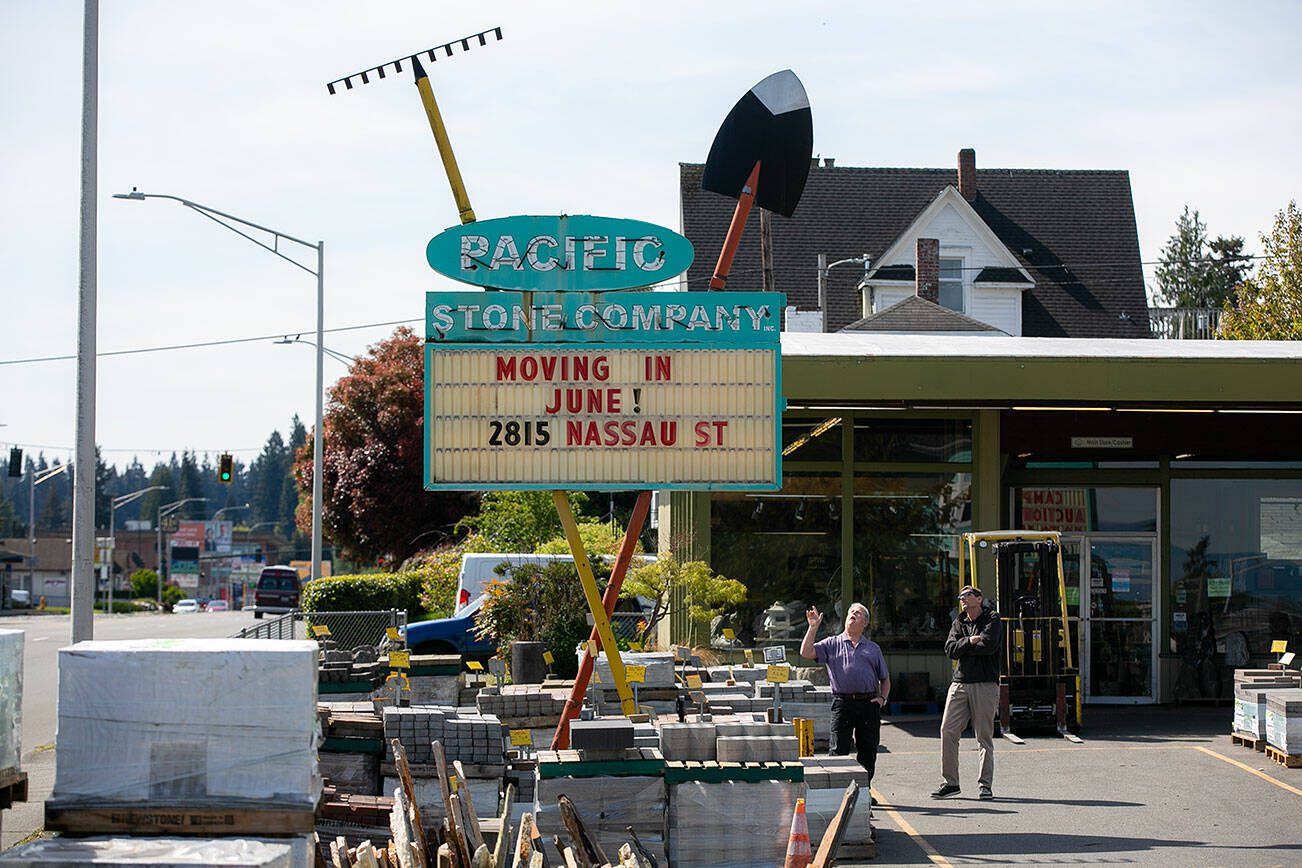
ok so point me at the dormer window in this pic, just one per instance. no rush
(951, 283)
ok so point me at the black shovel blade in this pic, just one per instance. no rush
(771, 125)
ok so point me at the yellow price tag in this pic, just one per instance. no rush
(399, 659)
(1279, 646)
(635, 646)
(635, 674)
(521, 738)
(319, 630)
(729, 634)
(778, 674)
(596, 675)
(693, 682)
(750, 657)
(548, 658)
(393, 634)
(474, 666)
(592, 648)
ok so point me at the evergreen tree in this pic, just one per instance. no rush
(190, 484)
(55, 511)
(1195, 271)
(151, 502)
(106, 488)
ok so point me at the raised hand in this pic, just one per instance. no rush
(813, 616)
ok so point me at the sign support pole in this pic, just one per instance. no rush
(601, 622)
(444, 144)
(561, 739)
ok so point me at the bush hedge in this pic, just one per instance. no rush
(367, 592)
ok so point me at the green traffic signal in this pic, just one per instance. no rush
(225, 467)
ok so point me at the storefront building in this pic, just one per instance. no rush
(1171, 467)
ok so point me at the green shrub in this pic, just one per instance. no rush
(368, 592)
(144, 583)
(171, 596)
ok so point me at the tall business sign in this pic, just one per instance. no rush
(567, 373)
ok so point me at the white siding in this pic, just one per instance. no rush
(1001, 308)
(885, 296)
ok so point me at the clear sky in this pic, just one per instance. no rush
(582, 108)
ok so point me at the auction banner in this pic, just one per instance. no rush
(677, 390)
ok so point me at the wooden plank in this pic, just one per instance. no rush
(205, 820)
(643, 853)
(400, 847)
(456, 834)
(827, 848)
(338, 860)
(587, 849)
(1288, 760)
(404, 775)
(474, 835)
(504, 827)
(523, 843)
(366, 856)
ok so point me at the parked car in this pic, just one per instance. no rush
(278, 591)
(20, 598)
(186, 606)
(456, 634)
(217, 606)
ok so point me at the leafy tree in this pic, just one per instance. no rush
(1195, 271)
(374, 500)
(1269, 305)
(599, 538)
(703, 593)
(144, 583)
(518, 521)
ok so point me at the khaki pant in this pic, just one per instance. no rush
(977, 703)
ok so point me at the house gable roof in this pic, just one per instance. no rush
(903, 246)
(918, 315)
(1072, 230)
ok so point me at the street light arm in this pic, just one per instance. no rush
(46, 475)
(213, 214)
(135, 495)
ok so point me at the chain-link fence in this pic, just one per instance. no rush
(347, 630)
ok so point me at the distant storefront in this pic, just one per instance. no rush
(1173, 469)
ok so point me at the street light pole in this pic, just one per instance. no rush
(165, 510)
(220, 217)
(37, 479)
(113, 530)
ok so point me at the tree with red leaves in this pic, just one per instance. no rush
(374, 503)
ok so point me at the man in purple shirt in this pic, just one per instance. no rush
(860, 682)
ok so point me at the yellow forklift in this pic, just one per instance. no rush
(1039, 667)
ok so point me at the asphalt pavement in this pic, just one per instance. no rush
(46, 634)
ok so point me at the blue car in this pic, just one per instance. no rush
(455, 635)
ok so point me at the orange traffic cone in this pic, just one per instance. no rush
(799, 855)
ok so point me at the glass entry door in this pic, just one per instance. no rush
(1118, 609)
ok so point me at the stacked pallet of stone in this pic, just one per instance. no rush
(730, 824)
(160, 852)
(1251, 687)
(212, 738)
(610, 795)
(1284, 723)
(690, 741)
(473, 738)
(353, 744)
(417, 727)
(361, 664)
(527, 703)
(791, 691)
(13, 780)
(756, 742)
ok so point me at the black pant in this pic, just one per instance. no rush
(863, 717)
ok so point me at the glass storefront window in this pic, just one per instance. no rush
(1080, 509)
(785, 548)
(906, 530)
(1236, 568)
(812, 439)
(947, 441)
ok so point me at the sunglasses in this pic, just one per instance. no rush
(964, 596)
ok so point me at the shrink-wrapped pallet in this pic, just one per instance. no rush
(1284, 720)
(734, 824)
(188, 721)
(607, 806)
(164, 852)
(11, 698)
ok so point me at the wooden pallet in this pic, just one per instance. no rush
(1248, 740)
(572, 764)
(1288, 760)
(209, 820)
(682, 771)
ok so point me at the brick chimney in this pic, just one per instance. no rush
(927, 272)
(967, 173)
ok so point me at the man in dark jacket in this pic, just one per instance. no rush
(974, 694)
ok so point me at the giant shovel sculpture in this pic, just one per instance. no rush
(760, 154)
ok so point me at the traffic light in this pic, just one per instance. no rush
(15, 462)
(225, 468)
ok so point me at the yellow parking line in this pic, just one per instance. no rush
(907, 829)
(1247, 768)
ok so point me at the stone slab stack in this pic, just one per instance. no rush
(527, 702)
(11, 699)
(731, 824)
(1284, 721)
(1251, 687)
(608, 805)
(161, 853)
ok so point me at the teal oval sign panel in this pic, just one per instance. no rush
(559, 253)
